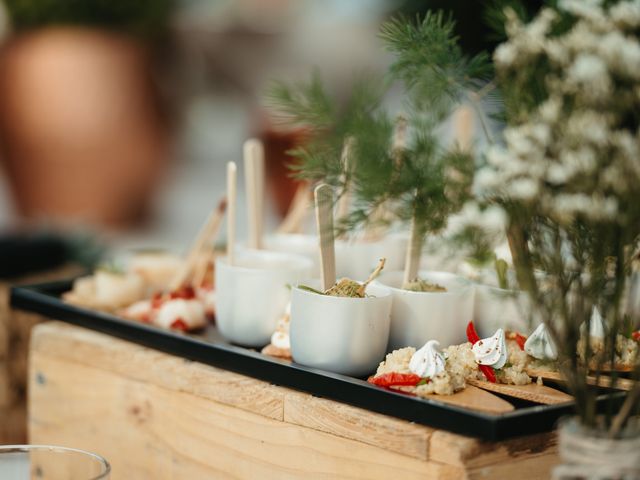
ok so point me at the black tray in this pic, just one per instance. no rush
(211, 349)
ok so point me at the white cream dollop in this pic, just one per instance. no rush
(540, 345)
(191, 312)
(428, 361)
(280, 338)
(491, 351)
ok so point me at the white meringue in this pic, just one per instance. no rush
(491, 351)
(540, 345)
(428, 361)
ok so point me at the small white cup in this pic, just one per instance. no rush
(252, 293)
(498, 308)
(357, 259)
(339, 334)
(417, 317)
(298, 243)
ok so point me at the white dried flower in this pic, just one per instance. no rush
(524, 189)
(626, 14)
(588, 9)
(622, 54)
(590, 73)
(505, 55)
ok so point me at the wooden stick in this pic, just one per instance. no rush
(232, 173)
(261, 191)
(254, 186)
(208, 231)
(375, 231)
(201, 269)
(344, 203)
(372, 277)
(399, 139)
(414, 252)
(464, 127)
(324, 223)
(292, 222)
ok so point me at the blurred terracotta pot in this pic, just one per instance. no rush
(83, 136)
(281, 183)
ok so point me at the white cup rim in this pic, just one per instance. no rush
(285, 260)
(384, 292)
(100, 460)
(465, 285)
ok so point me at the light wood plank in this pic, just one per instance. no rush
(147, 431)
(357, 424)
(91, 348)
(453, 449)
(118, 397)
(531, 468)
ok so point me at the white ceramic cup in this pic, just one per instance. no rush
(417, 317)
(298, 243)
(252, 294)
(339, 334)
(497, 308)
(357, 259)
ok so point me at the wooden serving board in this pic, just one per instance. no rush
(157, 416)
(603, 381)
(477, 399)
(532, 392)
(208, 347)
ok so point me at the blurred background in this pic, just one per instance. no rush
(117, 117)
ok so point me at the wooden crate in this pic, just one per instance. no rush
(15, 329)
(156, 416)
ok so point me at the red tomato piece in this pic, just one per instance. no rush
(392, 379)
(180, 324)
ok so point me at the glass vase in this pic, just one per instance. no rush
(588, 453)
(43, 462)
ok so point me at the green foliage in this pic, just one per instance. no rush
(422, 181)
(147, 18)
(430, 63)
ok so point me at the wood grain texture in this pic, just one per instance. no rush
(475, 399)
(147, 431)
(158, 416)
(15, 329)
(357, 424)
(453, 449)
(90, 348)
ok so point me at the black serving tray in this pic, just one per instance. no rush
(212, 349)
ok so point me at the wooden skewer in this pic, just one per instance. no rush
(324, 222)
(532, 392)
(232, 174)
(208, 231)
(344, 203)
(292, 222)
(260, 190)
(201, 269)
(412, 260)
(254, 186)
(464, 127)
(372, 277)
(376, 231)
